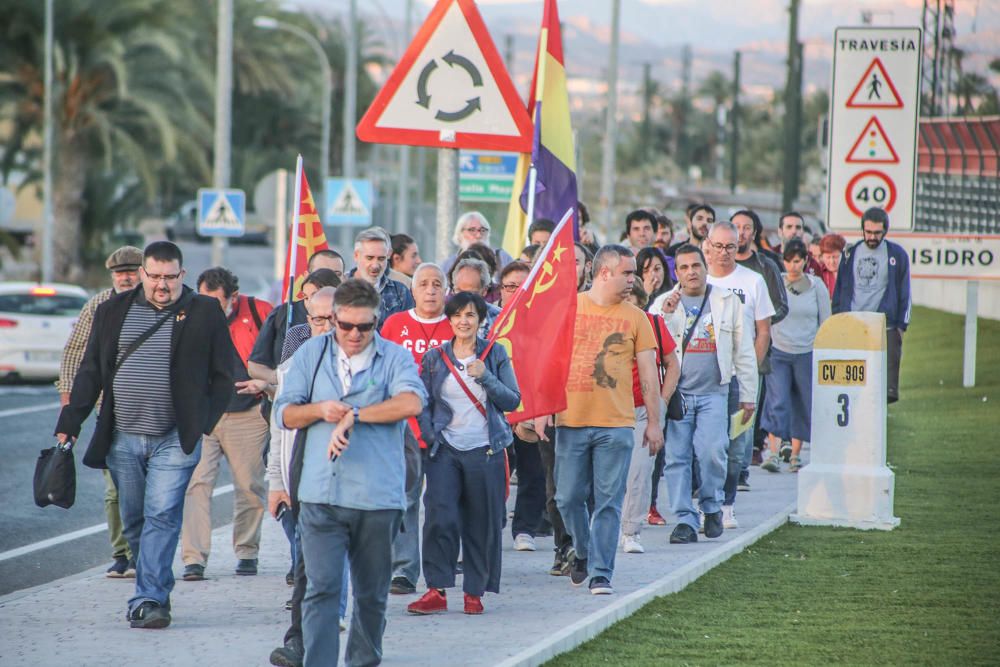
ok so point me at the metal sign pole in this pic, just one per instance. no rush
(447, 199)
(971, 320)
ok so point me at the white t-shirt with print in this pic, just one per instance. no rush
(750, 288)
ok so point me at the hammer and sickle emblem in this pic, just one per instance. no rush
(542, 285)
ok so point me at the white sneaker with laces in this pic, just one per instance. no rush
(524, 542)
(729, 521)
(632, 545)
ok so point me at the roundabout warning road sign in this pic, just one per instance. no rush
(870, 188)
(449, 90)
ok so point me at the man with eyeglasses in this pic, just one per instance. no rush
(372, 249)
(720, 249)
(352, 392)
(472, 227)
(874, 276)
(124, 266)
(168, 350)
(418, 330)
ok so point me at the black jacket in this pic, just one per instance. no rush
(200, 371)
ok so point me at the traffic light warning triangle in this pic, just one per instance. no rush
(873, 146)
(875, 90)
(450, 89)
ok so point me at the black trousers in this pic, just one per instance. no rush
(530, 501)
(547, 454)
(464, 505)
(894, 354)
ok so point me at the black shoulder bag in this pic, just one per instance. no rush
(299, 444)
(675, 408)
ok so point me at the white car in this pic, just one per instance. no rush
(35, 323)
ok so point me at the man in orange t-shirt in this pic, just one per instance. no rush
(594, 432)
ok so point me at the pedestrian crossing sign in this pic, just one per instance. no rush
(221, 212)
(348, 202)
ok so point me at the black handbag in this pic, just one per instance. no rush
(675, 408)
(55, 477)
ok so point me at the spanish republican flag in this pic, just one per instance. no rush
(536, 326)
(305, 239)
(552, 150)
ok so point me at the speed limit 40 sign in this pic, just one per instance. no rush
(874, 112)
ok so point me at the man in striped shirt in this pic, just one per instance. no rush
(124, 266)
(167, 351)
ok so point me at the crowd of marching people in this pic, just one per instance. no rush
(377, 398)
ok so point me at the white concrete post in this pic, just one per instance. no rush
(846, 482)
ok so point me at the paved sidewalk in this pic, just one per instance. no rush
(231, 620)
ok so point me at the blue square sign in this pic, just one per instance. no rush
(348, 202)
(221, 212)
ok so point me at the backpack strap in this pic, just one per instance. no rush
(253, 311)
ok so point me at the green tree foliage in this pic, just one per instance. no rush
(134, 104)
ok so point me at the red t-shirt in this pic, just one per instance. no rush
(667, 347)
(243, 327)
(417, 335)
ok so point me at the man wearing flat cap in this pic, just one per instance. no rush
(124, 266)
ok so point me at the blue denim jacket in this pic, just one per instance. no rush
(371, 473)
(502, 395)
(395, 297)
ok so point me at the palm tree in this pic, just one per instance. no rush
(122, 94)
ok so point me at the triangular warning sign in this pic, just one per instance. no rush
(873, 145)
(348, 202)
(875, 90)
(221, 215)
(450, 89)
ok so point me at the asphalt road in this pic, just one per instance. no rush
(27, 416)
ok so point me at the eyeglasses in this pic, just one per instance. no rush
(157, 277)
(509, 287)
(321, 319)
(479, 231)
(727, 247)
(364, 327)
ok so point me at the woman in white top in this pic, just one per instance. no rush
(788, 402)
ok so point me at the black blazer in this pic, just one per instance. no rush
(201, 354)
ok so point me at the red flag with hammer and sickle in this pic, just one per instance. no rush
(536, 327)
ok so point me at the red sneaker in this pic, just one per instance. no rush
(473, 605)
(654, 517)
(433, 602)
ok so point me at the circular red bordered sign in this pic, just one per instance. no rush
(871, 196)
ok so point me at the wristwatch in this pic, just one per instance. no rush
(357, 414)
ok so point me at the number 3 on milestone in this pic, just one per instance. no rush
(845, 415)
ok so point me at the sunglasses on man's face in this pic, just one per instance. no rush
(363, 327)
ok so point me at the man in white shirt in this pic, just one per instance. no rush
(723, 272)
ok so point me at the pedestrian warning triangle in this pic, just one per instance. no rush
(222, 216)
(875, 90)
(873, 145)
(348, 202)
(450, 90)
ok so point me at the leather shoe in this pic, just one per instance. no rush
(685, 534)
(193, 572)
(246, 566)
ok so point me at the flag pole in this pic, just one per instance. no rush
(293, 241)
(532, 180)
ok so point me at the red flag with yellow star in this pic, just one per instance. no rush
(306, 237)
(536, 327)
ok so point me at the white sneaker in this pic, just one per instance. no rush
(729, 517)
(631, 544)
(701, 521)
(524, 542)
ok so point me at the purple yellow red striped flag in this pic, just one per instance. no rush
(552, 151)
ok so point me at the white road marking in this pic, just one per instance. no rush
(76, 534)
(29, 408)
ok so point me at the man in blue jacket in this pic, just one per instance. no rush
(874, 276)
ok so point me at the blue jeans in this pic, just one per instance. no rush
(701, 433)
(788, 405)
(594, 460)
(740, 450)
(330, 535)
(152, 474)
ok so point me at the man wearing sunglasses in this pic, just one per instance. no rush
(352, 392)
(167, 350)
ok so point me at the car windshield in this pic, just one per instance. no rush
(41, 304)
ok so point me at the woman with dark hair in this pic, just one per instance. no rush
(653, 271)
(405, 258)
(788, 401)
(470, 385)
